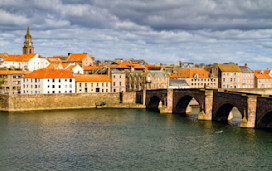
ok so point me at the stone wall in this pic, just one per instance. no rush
(266, 91)
(129, 97)
(26, 102)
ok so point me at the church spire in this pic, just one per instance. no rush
(27, 30)
(28, 45)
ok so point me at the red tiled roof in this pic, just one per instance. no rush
(123, 66)
(8, 72)
(19, 57)
(190, 72)
(92, 78)
(258, 74)
(77, 57)
(54, 60)
(50, 73)
(89, 68)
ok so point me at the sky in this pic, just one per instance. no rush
(158, 31)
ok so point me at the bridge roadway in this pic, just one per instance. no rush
(215, 104)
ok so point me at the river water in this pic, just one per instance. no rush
(127, 139)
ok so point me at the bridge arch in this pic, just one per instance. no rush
(153, 103)
(183, 102)
(265, 121)
(224, 110)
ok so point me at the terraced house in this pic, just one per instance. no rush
(196, 78)
(92, 83)
(10, 81)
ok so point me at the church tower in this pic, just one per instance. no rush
(28, 45)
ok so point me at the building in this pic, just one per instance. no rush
(135, 80)
(83, 59)
(28, 45)
(229, 76)
(48, 81)
(247, 77)
(157, 80)
(118, 81)
(196, 78)
(10, 81)
(262, 79)
(29, 62)
(92, 83)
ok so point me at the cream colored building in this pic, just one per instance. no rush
(92, 83)
(118, 81)
(196, 78)
(247, 77)
(229, 76)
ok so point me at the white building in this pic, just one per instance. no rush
(47, 81)
(29, 62)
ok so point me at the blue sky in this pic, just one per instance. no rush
(200, 31)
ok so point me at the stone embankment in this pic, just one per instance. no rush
(32, 102)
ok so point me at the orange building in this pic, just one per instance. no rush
(262, 79)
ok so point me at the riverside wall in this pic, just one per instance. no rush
(30, 102)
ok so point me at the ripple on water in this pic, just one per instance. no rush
(115, 139)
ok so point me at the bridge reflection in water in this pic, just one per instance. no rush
(249, 110)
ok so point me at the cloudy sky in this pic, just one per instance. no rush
(200, 31)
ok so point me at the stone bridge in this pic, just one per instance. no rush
(256, 110)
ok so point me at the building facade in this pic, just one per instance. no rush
(93, 83)
(262, 79)
(247, 77)
(48, 81)
(10, 81)
(118, 81)
(229, 76)
(196, 78)
(157, 80)
(135, 80)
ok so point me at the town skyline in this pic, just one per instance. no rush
(157, 33)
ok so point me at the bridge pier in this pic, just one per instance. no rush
(251, 110)
(206, 113)
(168, 107)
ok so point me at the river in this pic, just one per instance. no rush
(127, 139)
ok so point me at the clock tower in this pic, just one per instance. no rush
(28, 45)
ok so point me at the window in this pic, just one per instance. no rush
(102, 84)
(59, 80)
(59, 86)
(106, 84)
(97, 84)
(70, 80)
(36, 86)
(85, 84)
(106, 90)
(48, 86)
(53, 80)
(113, 76)
(120, 76)
(80, 85)
(113, 83)
(120, 83)
(53, 86)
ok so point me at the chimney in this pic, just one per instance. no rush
(109, 71)
(245, 65)
(69, 53)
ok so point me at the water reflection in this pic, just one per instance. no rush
(115, 139)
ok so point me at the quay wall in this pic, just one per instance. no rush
(29, 102)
